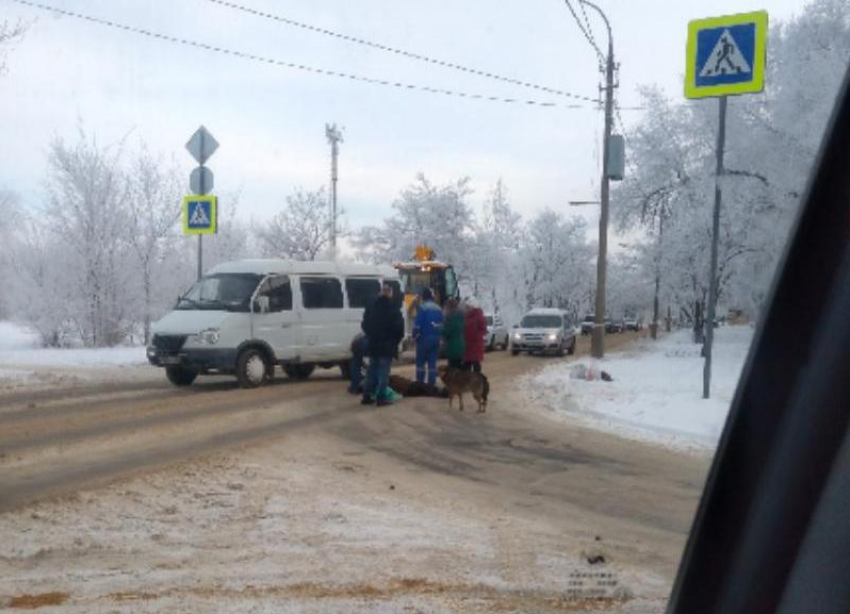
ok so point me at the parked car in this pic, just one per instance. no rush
(587, 324)
(497, 333)
(244, 318)
(633, 323)
(614, 326)
(544, 330)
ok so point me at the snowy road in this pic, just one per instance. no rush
(573, 484)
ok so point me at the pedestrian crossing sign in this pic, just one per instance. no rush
(200, 215)
(726, 55)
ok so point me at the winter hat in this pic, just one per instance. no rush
(471, 301)
(426, 294)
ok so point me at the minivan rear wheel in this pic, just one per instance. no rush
(299, 371)
(252, 368)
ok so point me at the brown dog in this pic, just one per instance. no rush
(457, 382)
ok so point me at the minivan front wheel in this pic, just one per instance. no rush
(252, 368)
(180, 376)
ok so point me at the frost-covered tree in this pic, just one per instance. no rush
(437, 216)
(230, 242)
(300, 231)
(557, 262)
(495, 246)
(10, 220)
(10, 33)
(155, 188)
(41, 292)
(771, 143)
(87, 211)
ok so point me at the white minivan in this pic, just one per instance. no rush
(245, 317)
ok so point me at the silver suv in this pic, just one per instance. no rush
(544, 330)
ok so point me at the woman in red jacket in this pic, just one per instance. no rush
(474, 333)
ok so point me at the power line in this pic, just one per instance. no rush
(303, 67)
(396, 51)
(585, 32)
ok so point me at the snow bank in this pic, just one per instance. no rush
(656, 394)
(14, 337)
(18, 346)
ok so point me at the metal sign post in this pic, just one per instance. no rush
(715, 231)
(202, 145)
(725, 56)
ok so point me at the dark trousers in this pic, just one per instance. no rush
(456, 363)
(378, 377)
(356, 369)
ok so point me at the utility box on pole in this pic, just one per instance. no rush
(616, 157)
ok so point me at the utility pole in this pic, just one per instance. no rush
(653, 328)
(334, 136)
(598, 339)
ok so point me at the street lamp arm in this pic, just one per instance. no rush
(604, 18)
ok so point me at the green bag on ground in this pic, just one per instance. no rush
(392, 396)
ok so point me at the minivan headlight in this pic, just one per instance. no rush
(209, 336)
(517, 336)
(553, 337)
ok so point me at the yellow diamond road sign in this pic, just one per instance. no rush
(200, 215)
(726, 55)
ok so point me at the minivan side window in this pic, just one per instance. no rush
(279, 291)
(361, 292)
(321, 293)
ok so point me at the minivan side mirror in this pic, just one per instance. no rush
(261, 304)
(515, 326)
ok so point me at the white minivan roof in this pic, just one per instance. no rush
(315, 267)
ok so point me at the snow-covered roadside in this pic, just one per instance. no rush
(25, 365)
(19, 346)
(656, 394)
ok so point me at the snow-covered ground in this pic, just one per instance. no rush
(656, 394)
(19, 347)
(302, 528)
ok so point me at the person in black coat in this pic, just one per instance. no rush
(383, 326)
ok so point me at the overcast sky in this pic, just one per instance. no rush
(270, 119)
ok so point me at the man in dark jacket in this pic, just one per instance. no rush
(384, 328)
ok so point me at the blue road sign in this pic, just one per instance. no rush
(200, 215)
(726, 55)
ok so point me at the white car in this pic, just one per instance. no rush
(497, 333)
(243, 318)
(544, 330)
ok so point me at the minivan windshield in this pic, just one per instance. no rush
(541, 321)
(222, 291)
